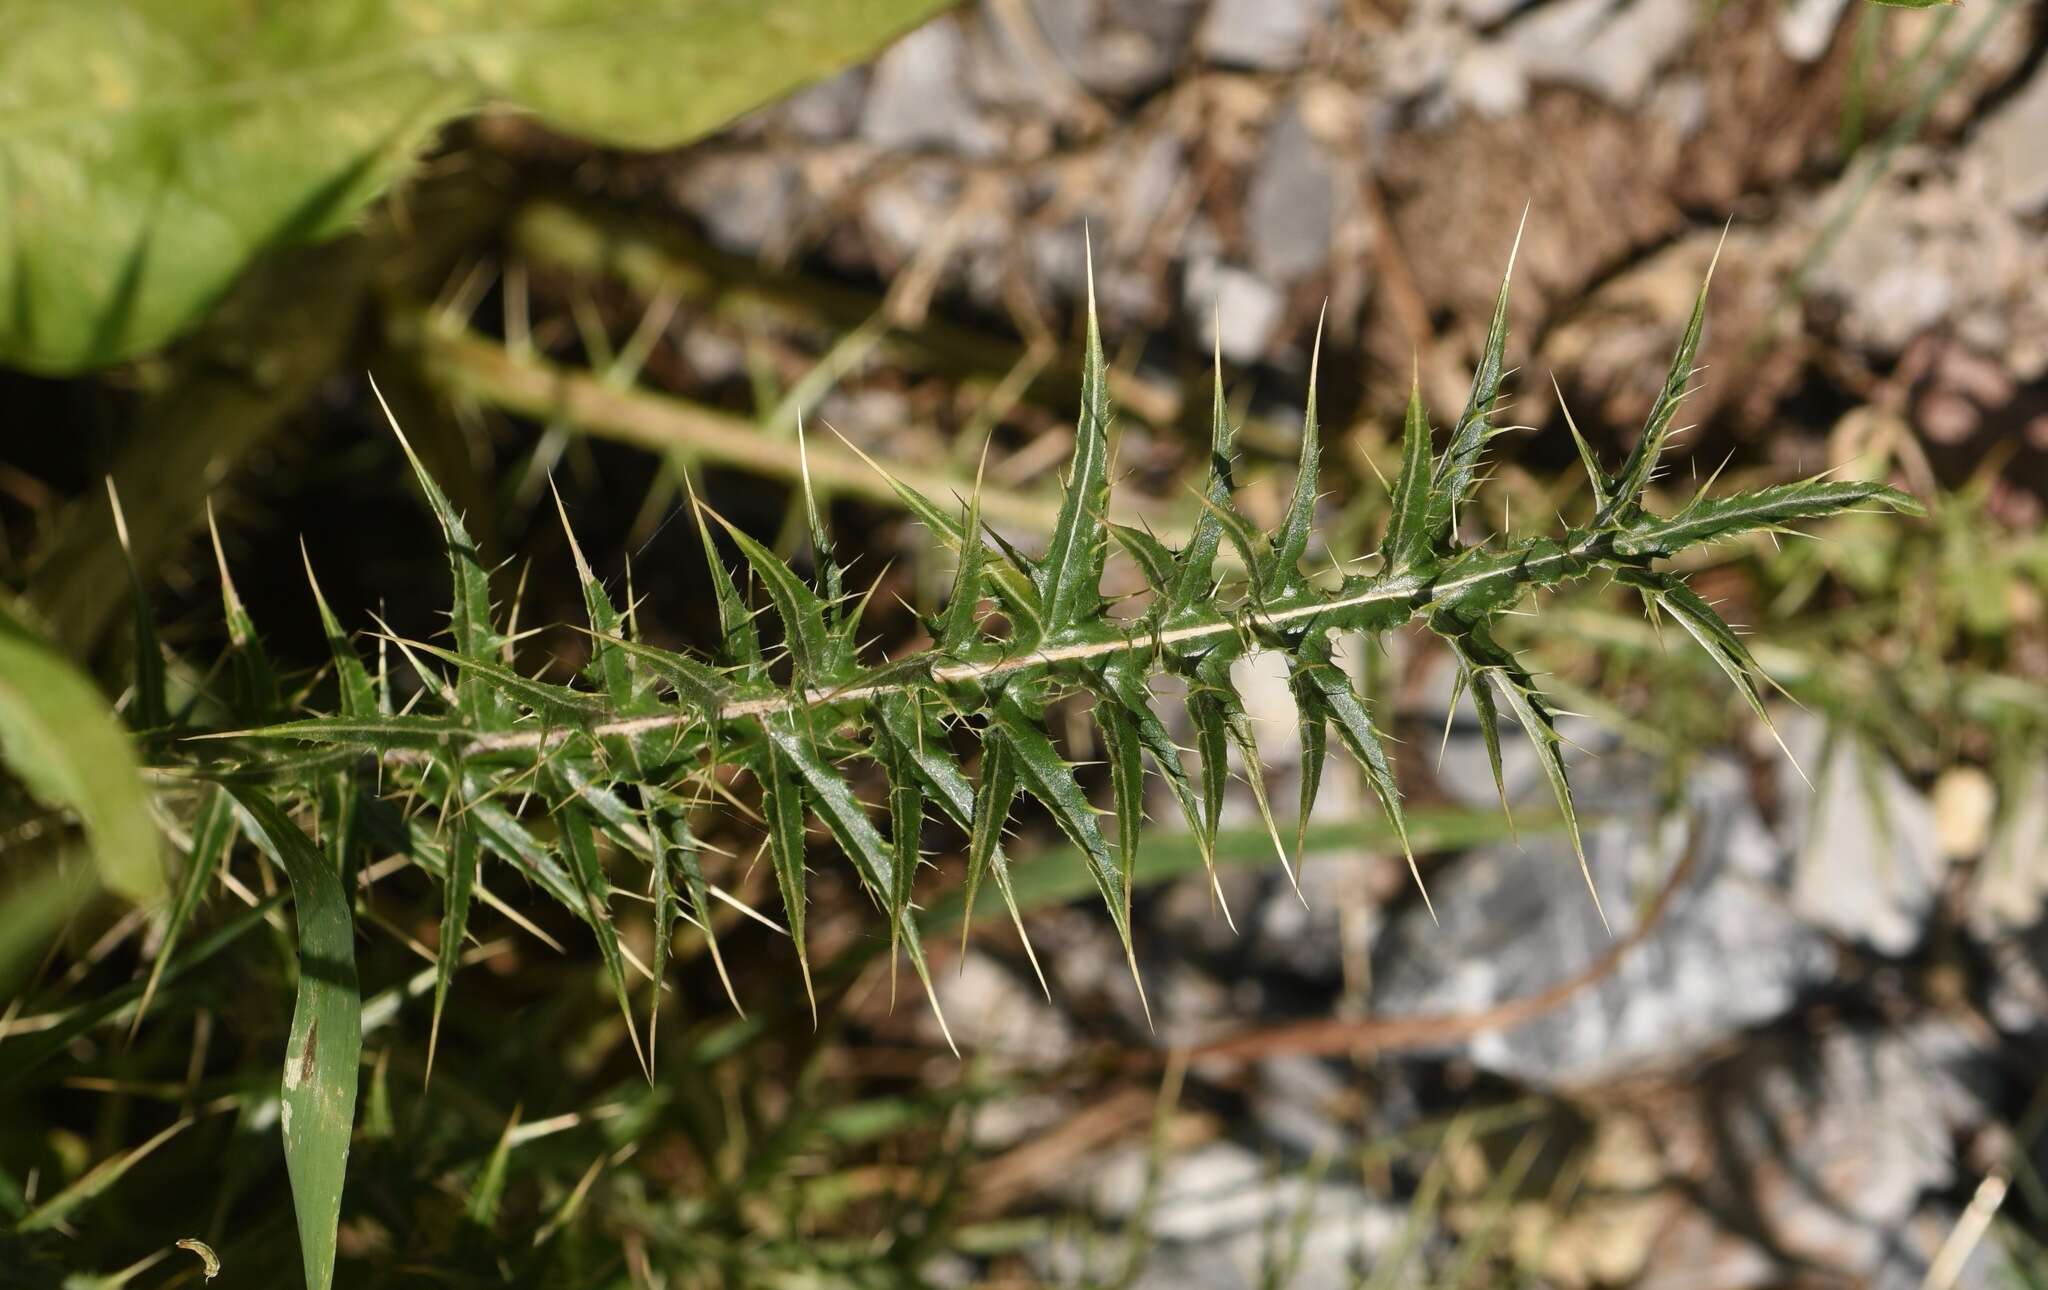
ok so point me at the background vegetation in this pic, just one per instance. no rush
(219, 220)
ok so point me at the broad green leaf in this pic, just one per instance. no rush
(130, 203)
(60, 739)
(326, 1040)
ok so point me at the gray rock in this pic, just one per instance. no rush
(1866, 864)
(2010, 891)
(1291, 203)
(1265, 35)
(1842, 1144)
(2014, 146)
(1223, 1219)
(1726, 956)
(1806, 27)
(918, 96)
(1612, 49)
(827, 110)
(1245, 306)
(747, 201)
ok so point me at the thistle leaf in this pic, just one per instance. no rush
(1324, 695)
(579, 846)
(609, 665)
(469, 618)
(1710, 520)
(455, 896)
(992, 801)
(213, 836)
(1197, 560)
(1282, 573)
(1070, 577)
(1408, 530)
(1627, 495)
(1457, 471)
(358, 695)
(811, 646)
(782, 807)
(1486, 660)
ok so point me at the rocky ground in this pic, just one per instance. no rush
(1809, 1051)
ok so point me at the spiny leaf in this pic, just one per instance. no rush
(454, 925)
(1765, 508)
(1127, 788)
(358, 695)
(802, 612)
(1048, 778)
(213, 835)
(1458, 469)
(960, 625)
(326, 1040)
(1290, 545)
(150, 710)
(782, 807)
(1642, 459)
(1070, 577)
(992, 801)
(739, 644)
(1487, 660)
(469, 618)
(1408, 532)
(255, 685)
(1198, 557)
(579, 846)
(1603, 487)
(1324, 694)
(609, 664)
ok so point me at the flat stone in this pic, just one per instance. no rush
(918, 96)
(1726, 955)
(2010, 145)
(1263, 35)
(1865, 861)
(1613, 50)
(1290, 205)
(1244, 305)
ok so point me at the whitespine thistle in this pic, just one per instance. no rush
(629, 755)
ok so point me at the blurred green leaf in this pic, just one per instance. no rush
(150, 148)
(59, 737)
